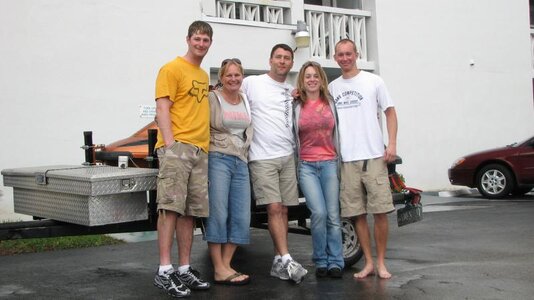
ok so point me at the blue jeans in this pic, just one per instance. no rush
(320, 185)
(229, 200)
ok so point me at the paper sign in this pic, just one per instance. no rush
(147, 111)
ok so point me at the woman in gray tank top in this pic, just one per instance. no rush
(229, 185)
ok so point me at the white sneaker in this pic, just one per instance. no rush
(278, 270)
(295, 270)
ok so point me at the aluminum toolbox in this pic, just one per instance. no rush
(85, 195)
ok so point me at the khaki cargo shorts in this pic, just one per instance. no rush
(365, 189)
(183, 180)
(274, 181)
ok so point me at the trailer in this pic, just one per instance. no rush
(96, 198)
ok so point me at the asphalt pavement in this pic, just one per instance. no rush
(465, 248)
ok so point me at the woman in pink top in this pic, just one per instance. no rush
(315, 124)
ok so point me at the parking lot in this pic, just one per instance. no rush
(465, 248)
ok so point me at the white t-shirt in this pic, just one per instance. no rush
(272, 118)
(358, 101)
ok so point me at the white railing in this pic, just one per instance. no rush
(266, 11)
(328, 25)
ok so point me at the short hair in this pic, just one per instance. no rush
(345, 41)
(282, 46)
(200, 27)
(323, 84)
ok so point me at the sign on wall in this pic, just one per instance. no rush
(147, 111)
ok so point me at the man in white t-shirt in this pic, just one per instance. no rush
(271, 159)
(360, 97)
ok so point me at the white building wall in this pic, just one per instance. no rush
(447, 106)
(72, 66)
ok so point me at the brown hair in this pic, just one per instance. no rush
(283, 46)
(200, 27)
(323, 89)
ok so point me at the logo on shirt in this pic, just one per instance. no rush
(348, 99)
(288, 106)
(199, 90)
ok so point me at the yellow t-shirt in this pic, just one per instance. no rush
(187, 86)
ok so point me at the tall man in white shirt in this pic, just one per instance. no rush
(271, 159)
(360, 96)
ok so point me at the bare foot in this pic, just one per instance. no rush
(242, 275)
(367, 270)
(234, 279)
(383, 272)
(221, 275)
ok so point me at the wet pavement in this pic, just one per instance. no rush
(465, 248)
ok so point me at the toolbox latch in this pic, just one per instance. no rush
(40, 178)
(127, 184)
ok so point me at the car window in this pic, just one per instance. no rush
(529, 142)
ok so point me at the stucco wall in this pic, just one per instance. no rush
(448, 107)
(71, 66)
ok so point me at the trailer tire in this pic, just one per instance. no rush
(352, 252)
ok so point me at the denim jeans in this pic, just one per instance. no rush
(320, 185)
(229, 200)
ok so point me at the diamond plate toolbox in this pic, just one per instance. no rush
(84, 195)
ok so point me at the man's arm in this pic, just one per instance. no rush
(163, 119)
(391, 124)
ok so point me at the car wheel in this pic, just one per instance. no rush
(495, 181)
(352, 252)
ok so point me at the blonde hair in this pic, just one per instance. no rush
(226, 63)
(323, 87)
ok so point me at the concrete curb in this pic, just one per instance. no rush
(460, 192)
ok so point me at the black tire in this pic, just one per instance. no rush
(495, 181)
(521, 191)
(352, 252)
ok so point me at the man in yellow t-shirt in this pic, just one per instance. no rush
(182, 115)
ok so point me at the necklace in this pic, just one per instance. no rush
(234, 100)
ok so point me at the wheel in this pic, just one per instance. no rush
(495, 181)
(352, 252)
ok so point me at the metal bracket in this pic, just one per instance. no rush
(127, 184)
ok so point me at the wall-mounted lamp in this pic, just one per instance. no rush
(302, 36)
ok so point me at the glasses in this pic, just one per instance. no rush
(235, 60)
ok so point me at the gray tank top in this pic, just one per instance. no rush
(236, 119)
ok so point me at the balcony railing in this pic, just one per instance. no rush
(273, 12)
(328, 25)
